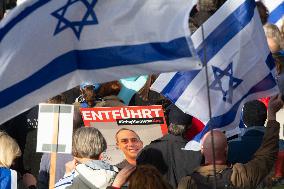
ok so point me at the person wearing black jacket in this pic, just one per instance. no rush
(166, 153)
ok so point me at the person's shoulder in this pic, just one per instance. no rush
(122, 164)
(97, 174)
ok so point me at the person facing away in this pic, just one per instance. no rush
(166, 153)
(130, 144)
(239, 175)
(87, 170)
(241, 150)
(108, 93)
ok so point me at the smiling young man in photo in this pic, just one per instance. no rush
(130, 144)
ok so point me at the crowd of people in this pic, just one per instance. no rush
(163, 163)
(252, 159)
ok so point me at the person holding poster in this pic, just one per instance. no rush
(130, 144)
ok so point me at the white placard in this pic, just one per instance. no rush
(46, 122)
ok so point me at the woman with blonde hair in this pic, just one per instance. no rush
(9, 151)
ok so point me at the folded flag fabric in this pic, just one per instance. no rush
(50, 46)
(240, 68)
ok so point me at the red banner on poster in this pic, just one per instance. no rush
(126, 115)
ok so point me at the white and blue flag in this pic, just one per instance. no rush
(240, 68)
(50, 46)
(276, 11)
(8, 178)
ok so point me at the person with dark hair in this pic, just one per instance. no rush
(238, 175)
(108, 93)
(140, 177)
(130, 144)
(87, 170)
(254, 117)
(254, 113)
(166, 153)
(147, 176)
(145, 96)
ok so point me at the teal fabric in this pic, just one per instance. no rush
(129, 86)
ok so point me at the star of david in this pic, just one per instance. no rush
(89, 17)
(217, 83)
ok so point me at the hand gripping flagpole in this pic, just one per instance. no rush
(209, 107)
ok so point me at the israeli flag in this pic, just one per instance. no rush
(50, 46)
(276, 11)
(8, 178)
(240, 68)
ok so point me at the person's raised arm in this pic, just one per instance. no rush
(249, 175)
(122, 177)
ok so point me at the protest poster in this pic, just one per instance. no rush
(147, 121)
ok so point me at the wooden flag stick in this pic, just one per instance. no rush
(54, 148)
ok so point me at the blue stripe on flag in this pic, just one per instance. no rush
(96, 59)
(178, 84)
(5, 178)
(276, 14)
(20, 17)
(224, 32)
(220, 121)
(231, 26)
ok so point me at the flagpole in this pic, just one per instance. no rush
(53, 154)
(209, 107)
